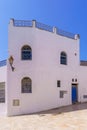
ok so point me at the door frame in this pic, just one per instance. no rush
(76, 85)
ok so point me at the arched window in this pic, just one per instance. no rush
(26, 85)
(63, 58)
(26, 53)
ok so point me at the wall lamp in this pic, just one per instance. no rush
(11, 59)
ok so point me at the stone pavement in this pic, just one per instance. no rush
(72, 117)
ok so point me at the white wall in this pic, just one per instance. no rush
(82, 83)
(3, 78)
(44, 69)
(3, 73)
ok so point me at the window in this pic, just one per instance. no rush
(16, 102)
(63, 58)
(26, 85)
(84, 96)
(61, 94)
(72, 80)
(75, 80)
(58, 83)
(26, 53)
(2, 92)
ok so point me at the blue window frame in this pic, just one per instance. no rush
(26, 53)
(63, 58)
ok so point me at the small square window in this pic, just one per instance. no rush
(16, 102)
(72, 80)
(58, 83)
(61, 94)
(75, 80)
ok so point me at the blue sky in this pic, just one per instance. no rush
(69, 15)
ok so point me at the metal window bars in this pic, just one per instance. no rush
(22, 23)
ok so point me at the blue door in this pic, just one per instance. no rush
(74, 93)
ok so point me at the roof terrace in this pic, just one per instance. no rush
(34, 23)
(3, 63)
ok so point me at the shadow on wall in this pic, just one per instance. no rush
(65, 109)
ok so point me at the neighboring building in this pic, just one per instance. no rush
(43, 70)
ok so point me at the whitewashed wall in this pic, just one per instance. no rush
(44, 69)
(82, 83)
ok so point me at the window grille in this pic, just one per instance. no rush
(58, 83)
(63, 58)
(2, 92)
(26, 85)
(26, 53)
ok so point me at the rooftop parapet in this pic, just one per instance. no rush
(34, 23)
(3, 63)
(83, 63)
(22, 23)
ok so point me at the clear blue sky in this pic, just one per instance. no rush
(69, 15)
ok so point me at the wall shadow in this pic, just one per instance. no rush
(65, 109)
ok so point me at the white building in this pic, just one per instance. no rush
(43, 70)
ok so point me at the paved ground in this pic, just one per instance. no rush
(67, 118)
